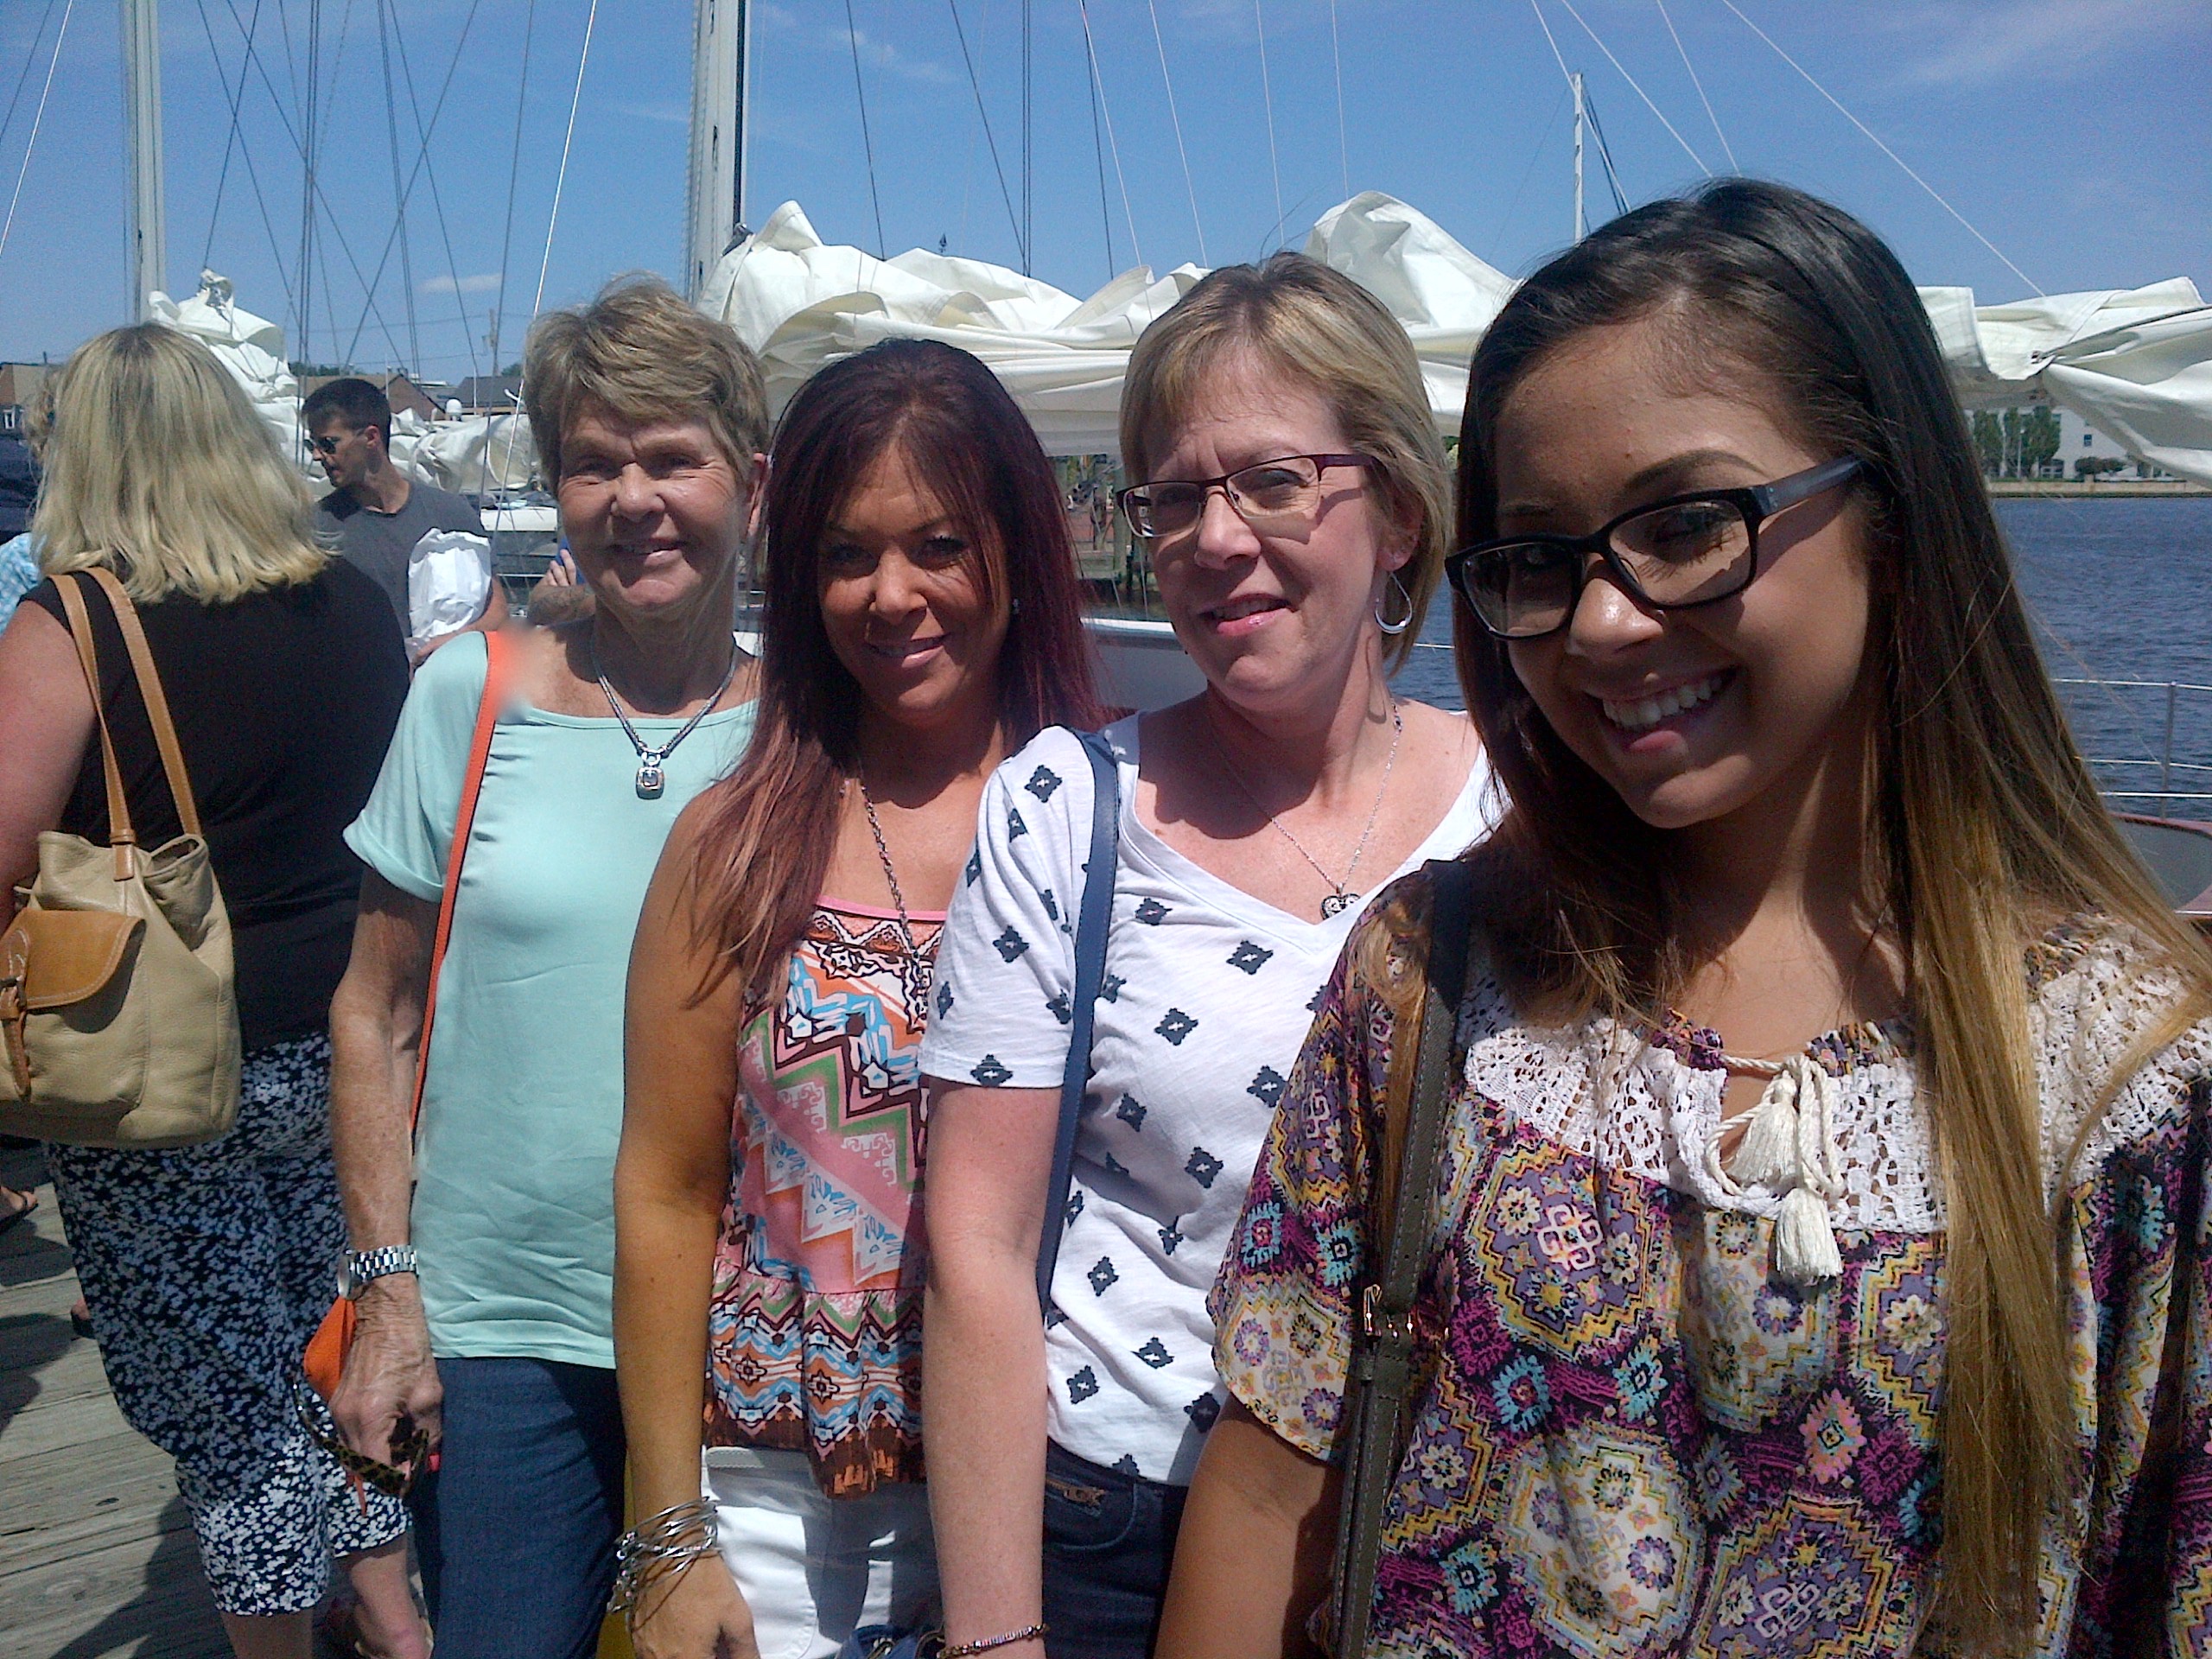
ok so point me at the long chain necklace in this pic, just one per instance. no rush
(651, 778)
(924, 967)
(1340, 898)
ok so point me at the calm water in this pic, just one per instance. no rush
(2119, 589)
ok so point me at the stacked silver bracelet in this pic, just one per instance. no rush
(659, 1547)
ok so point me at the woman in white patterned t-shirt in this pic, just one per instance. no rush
(1294, 504)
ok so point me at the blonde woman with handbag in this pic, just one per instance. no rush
(167, 509)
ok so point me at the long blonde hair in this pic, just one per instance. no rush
(157, 468)
(1323, 330)
(1984, 823)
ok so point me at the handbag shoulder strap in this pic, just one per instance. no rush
(1399, 1246)
(497, 667)
(150, 692)
(1094, 918)
(120, 835)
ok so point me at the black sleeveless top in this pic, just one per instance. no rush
(283, 702)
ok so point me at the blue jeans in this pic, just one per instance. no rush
(1110, 1540)
(516, 1530)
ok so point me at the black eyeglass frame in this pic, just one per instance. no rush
(1206, 487)
(1756, 504)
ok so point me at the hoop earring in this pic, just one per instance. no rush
(1393, 629)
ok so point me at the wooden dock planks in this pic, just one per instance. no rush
(96, 1558)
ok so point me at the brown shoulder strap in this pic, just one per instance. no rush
(149, 690)
(119, 832)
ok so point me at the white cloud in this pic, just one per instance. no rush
(2037, 39)
(482, 281)
(885, 58)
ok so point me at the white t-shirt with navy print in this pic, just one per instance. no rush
(1208, 995)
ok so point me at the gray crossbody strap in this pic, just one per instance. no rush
(1382, 1364)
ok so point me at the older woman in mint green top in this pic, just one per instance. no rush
(482, 1252)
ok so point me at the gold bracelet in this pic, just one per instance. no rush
(965, 1649)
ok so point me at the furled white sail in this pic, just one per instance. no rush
(2136, 365)
(801, 302)
(251, 347)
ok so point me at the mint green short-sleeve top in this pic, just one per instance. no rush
(514, 1203)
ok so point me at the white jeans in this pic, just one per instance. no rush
(813, 1568)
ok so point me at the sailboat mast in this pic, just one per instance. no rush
(1581, 219)
(722, 75)
(142, 116)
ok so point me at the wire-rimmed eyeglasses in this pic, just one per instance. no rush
(1689, 549)
(1277, 495)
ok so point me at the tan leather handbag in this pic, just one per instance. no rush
(117, 1005)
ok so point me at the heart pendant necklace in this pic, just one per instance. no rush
(1340, 898)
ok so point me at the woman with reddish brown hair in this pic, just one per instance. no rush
(922, 622)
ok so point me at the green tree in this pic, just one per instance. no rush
(2039, 439)
(1989, 443)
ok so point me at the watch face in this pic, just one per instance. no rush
(346, 1287)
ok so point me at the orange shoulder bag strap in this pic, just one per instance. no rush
(325, 1361)
(497, 664)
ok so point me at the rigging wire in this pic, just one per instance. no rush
(231, 142)
(254, 59)
(1734, 166)
(37, 121)
(1604, 155)
(1083, 8)
(514, 173)
(1267, 97)
(1028, 149)
(975, 85)
(398, 189)
(560, 178)
(1336, 59)
(1176, 120)
(868, 145)
(430, 173)
(245, 154)
(307, 177)
(1098, 156)
(31, 58)
(1528, 172)
(1638, 88)
(1879, 145)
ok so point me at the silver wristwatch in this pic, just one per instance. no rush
(357, 1269)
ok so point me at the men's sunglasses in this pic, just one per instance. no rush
(1673, 555)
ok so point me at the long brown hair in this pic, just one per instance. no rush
(1984, 823)
(764, 846)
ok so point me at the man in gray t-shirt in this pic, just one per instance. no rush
(378, 513)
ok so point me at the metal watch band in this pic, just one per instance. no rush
(357, 1269)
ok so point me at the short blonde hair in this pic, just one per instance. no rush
(643, 356)
(157, 468)
(1318, 328)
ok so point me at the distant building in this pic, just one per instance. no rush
(489, 394)
(2078, 441)
(19, 385)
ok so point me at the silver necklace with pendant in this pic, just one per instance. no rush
(652, 776)
(924, 967)
(1340, 898)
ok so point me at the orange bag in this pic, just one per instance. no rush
(325, 1360)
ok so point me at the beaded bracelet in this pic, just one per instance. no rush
(662, 1547)
(964, 1650)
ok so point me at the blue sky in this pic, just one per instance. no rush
(2073, 136)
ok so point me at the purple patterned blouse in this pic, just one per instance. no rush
(1633, 1436)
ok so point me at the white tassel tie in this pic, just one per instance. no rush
(1788, 1147)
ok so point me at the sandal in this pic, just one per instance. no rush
(15, 1206)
